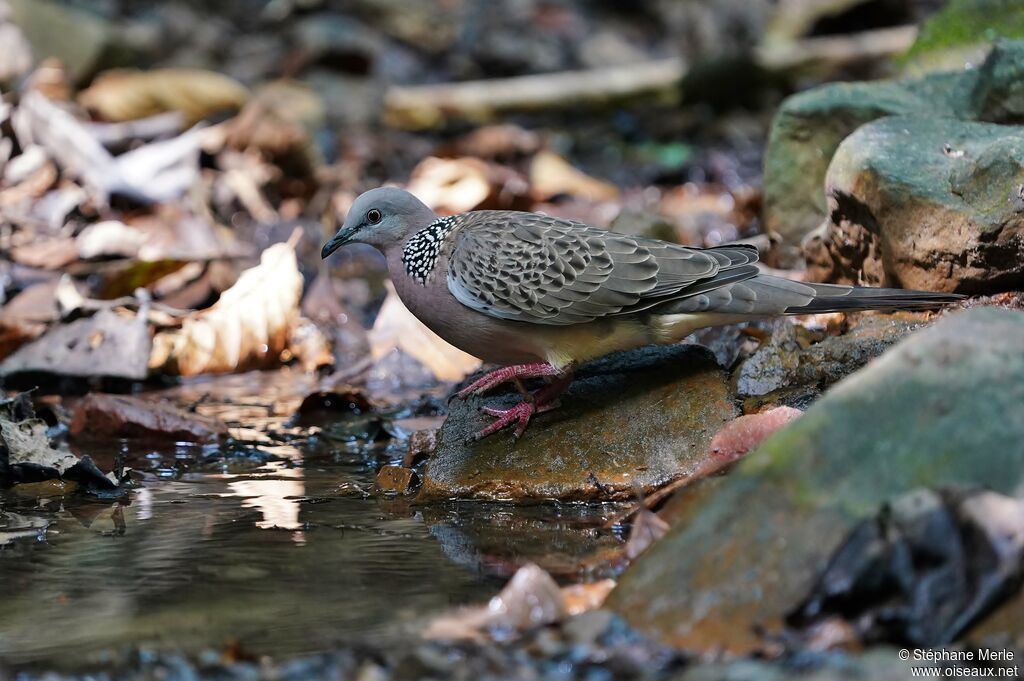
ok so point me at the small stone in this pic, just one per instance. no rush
(396, 480)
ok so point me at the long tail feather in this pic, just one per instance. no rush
(831, 298)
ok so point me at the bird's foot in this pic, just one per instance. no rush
(520, 413)
(517, 372)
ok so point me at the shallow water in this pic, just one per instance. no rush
(285, 549)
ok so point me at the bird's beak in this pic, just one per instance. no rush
(343, 236)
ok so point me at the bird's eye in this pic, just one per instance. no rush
(373, 216)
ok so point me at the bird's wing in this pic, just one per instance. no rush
(544, 270)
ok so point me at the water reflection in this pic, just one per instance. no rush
(280, 548)
(276, 498)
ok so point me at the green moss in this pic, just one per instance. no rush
(969, 22)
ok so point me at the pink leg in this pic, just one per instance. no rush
(505, 374)
(520, 413)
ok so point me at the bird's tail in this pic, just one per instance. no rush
(833, 298)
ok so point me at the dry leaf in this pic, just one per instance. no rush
(109, 238)
(739, 436)
(153, 173)
(648, 527)
(124, 95)
(551, 175)
(580, 598)
(106, 344)
(450, 185)
(396, 327)
(247, 328)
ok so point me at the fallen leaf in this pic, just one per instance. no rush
(128, 94)
(396, 327)
(16, 333)
(31, 458)
(107, 344)
(152, 173)
(551, 175)
(109, 238)
(106, 416)
(648, 527)
(450, 185)
(247, 328)
(308, 346)
(580, 598)
(15, 51)
(456, 185)
(739, 436)
(48, 254)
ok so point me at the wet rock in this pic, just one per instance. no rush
(810, 126)
(939, 408)
(630, 421)
(101, 415)
(795, 357)
(925, 203)
(396, 480)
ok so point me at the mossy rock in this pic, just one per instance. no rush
(809, 127)
(943, 407)
(925, 203)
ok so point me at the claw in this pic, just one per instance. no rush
(520, 413)
(506, 374)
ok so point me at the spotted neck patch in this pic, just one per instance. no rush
(421, 251)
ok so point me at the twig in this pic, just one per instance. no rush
(426, 106)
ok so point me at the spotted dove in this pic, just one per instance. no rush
(541, 295)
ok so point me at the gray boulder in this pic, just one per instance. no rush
(810, 126)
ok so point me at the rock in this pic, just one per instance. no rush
(940, 408)
(631, 421)
(337, 42)
(100, 415)
(77, 37)
(396, 480)
(962, 30)
(809, 127)
(795, 357)
(925, 203)
(132, 94)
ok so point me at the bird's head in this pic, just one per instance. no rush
(381, 217)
